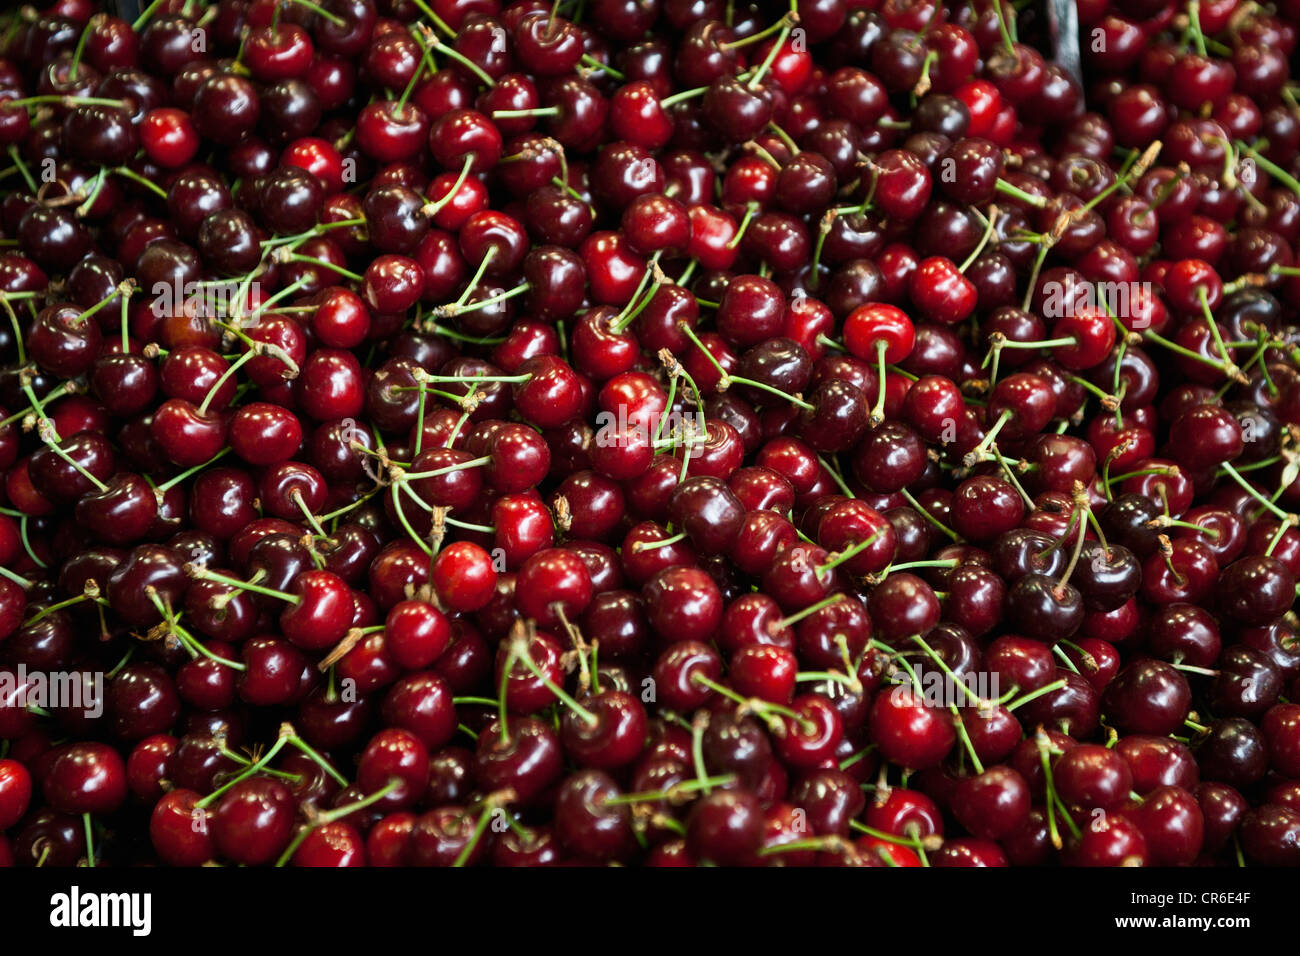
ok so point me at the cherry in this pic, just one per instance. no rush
(587, 820)
(902, 605)
(610, 734)
(86, 778)
(1269, 583)
(1269, 835)
(1247, 683)
(15, 792)
(553, 585)
(173, 832)
(1232, 751)
(526, 755)
(725, 827)
(253, 821)
(1115, 841)
(394, 754)
(908, 732)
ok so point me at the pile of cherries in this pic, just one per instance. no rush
(658, 432)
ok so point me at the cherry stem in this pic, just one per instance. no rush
(753, 37)
(90, 840)
(1201, 296)
(834, 472)
(324, 264)
(321, 762)
(1080, 502)
(1065, 658)
(980, 452)
(909, 565)
(27, 545)
(921, 510)
(1034, 695)
(479, 272)
(16, 578)
(225, 377)
(878, 410)
(437, 20)
(785, 138)
(318, 230)
(467, 526)
(786, 23)
(671, 794)
(143, 18)
(459, 57)
(771, 389)
(1277, 172)
(975, 699)
(1108, 401)
(1134, 168)
(22, 168)
(198, 571)
(640, 546)
(1282, 529)
(1164, 521)
(338, 813)
(1045, 760)
(848, 553)
(90, 594)
(397, 490)
(595, 64)
(989, 228)
(623, 319)
(137, 178)
(698, 725)
(853, 685)
(1002, 186)
(177, 479)
(481, 701)
(437, 472)
(1250, 489)
(286, 731)
(432, 209)
(51, 438)
(521, 648)
(192, 645)
(1033, 275)
(1194, 26)
(580, 647)
(521, 114)
(423, 377)
(18, 343)
(689, 332)
(681, 97)
(426, 62)
(1229, 370)
(811, 609)
(965, 737)
(68, 101)
(500, 703)
(765, 709)
(97, 187)
(1192, 669)
(909, 842)
(321, 12)
(489, 808)
(751, 210)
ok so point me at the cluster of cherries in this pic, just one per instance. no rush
(463, 432)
